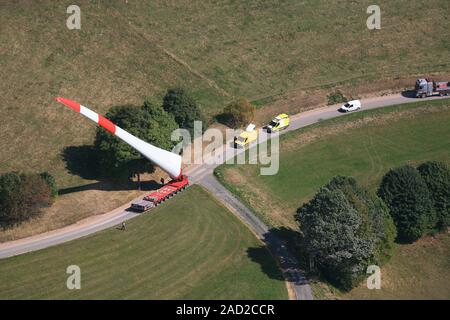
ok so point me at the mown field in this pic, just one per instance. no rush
(363, 145)
(270, 52)
(183, 250)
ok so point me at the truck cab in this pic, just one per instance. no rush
(426, 87)
(278, 123)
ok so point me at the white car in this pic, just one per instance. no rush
(353, 105)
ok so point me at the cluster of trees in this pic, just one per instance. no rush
(22, 196)
(151, 122)
(418, 198)
(345, 228)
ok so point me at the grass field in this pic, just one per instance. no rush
(363, 145)
(416, 271)
(183, 250)
(271, 52)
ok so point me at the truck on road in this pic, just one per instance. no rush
(158, 197)
(426, 87)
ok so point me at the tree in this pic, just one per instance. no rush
(22, 196)
(373, 211)
(343, 228)
(406, 194)
(183, 107)
(437, 177)
(150, 123)
(238, 113)
(331, 231)
(50, 180)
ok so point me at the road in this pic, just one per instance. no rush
(203, 174)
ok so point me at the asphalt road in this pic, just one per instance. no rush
(203, 174)
(289, 265)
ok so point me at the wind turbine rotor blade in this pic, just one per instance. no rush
(167, 161)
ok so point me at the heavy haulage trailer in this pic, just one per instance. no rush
(167, 161)
(426, 87)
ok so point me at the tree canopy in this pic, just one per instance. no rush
(437, 177)
(22, 196)
(149, 122)
(343, 228)
(184, 109)
(372, 210)
(238, 113)
(406, 194)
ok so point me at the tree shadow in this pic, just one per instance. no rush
(82, 161)
(224, 118)
(261, 256)
(281, 242)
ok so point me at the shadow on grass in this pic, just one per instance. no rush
(261, 256)
(82, 161)
(224, 118)
(112, 186)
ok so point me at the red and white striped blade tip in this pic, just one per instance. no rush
(71, 104)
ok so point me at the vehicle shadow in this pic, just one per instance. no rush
(409, 94)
